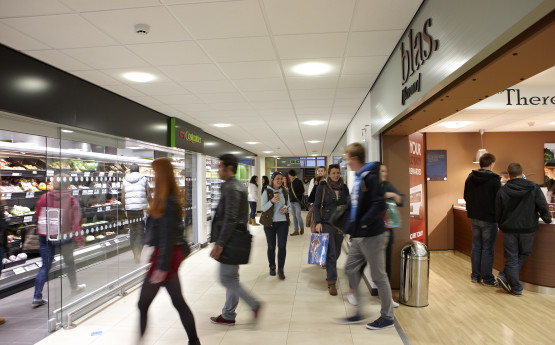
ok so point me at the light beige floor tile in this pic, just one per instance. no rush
(254, 336)
(319, 338)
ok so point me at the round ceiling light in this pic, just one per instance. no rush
(139, 77)
(312, 68)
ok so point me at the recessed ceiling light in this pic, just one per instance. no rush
(275, 156)
(455, 124)
(222, 125)
(209, 143)
(134, 147)
(312, 68)
(314, 155)
(139, 77)
(314, 141)
(314, 123)
(251, 142)
(268, 151)
(67, 131)
(235, 152)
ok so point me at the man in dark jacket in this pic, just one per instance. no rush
(480, 189)
(296, 191)
(368, 234)
(517, 207)
(231, 213)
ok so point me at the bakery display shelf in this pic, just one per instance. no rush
(25, 218)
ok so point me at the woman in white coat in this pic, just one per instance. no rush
(253, 198)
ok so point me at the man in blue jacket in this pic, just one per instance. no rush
(369, 237)
(517, 207)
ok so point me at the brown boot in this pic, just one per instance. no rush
(254, 222)
(250, 220)
(302, 231)
(332, 289)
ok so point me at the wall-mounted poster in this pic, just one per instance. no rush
(549, 170)
(436, 165)
(417, 188)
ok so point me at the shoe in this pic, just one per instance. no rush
(194, 342)
(380, 323)
(302, 231)
(332, 288)
(252, 221)
(2, 320)
(256, 311)
(374, 292)
(352, 299)
(324, 267)
(281, 275)
(504, 284)
(37, 303)
(221, 321)
(494, 284)
(296, 233)
(516, 293)
(475, 281)
(80, 288)
(350, 320)
(272, 270)
(395, 304)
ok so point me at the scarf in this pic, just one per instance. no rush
(356, 188)
(336, 187)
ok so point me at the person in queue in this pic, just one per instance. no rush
(275, 208)
(330, 194)
(166, 236)
(369, 237)
(296, 190)
(312, 195)
(321, 171)
(231, 214)
(265, 183)
(517, 207)
(480, 190)
(306, 184)
(253, 198)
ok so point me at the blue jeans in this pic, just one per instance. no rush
(281, 231)
(484, 236)
(517, 248)
(253, 209)
(334, 250)
(296, 214)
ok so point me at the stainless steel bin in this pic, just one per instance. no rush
(415, 273)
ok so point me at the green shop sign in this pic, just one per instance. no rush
(185, 136)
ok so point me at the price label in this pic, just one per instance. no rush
(108, 244)
(76, 192)
(30, 194)
(30, 267)
(19, 270)
(104, 191)
(115, 191)
(87, 174)
(27, 219)
(100, 209)
(6, 196)
(72, 174)
(101, 174)
(34, 172)
(49, 172)
(90, 192)
(108, 208)
(16, 174)
(110, 174)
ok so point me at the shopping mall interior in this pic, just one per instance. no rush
(92, 89)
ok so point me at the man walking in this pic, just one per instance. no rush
(296, 191)
(134, 196)
(517, 207)
(369, 237)
(232, 213)
(480, 190)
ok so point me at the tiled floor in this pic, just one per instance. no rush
(298, 310)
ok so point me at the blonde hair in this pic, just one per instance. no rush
(356, 150)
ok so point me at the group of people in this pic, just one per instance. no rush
(514, 208)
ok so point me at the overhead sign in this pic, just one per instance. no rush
(524, 97)
(185, 136)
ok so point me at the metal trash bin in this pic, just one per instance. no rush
(415, 274)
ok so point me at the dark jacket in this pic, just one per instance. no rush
(388, 187)
(480, 190)
(371, 205)
(518, 204)
(296, 188)
(330, 202)
(167, 233)
(232, 212)
(312, 195)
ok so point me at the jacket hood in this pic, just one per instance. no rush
(483, 176)
(519, 187)
(133, 177)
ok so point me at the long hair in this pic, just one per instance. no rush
(253, 180)
(164, 185)
(265, 180)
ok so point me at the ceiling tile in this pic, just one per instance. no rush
(16, 40)
(314, 103)
(155, 89)
(311, 46)
(371, 43)
(296, 83)
(120, 24)
(58, 60)
(358, 93)
(178, 99)
(289, 65)
(118, 73)
(239, 49)
(100, 5)
(308, 16)
(96, 77)
(123, 90)
(222, 19)
(106, 57)
(242, 106)
(145, 100)
(260, 84)
(53, 31)
(312, 94)
(201, 72)
(21, 8)
(274, 105)
(171, 53)
(357, 81)
(251, 69)
(193, 107)
(216, 86)
(364, 64)
(312, 113)
(264, 96)
(221, 97)
(384, 14)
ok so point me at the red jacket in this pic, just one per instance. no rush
(71, 219)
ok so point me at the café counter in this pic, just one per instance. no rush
(538, 269)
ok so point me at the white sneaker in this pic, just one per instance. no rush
(352, 299)
(395, 304)
(80, 288)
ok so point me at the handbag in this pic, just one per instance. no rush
(309, 220)
(238, 249)
(318, 249)
(338, 217)
(392, 217)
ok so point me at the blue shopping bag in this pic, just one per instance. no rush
(318, 249)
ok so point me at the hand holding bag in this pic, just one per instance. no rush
(318, 249)
(392, 217)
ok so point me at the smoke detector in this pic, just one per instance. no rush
(142, 29)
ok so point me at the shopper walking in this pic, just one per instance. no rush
(480, 190)
(517, 207)
(165, 233)
(66, 213)
(296, 190)
(321, 171)
(275, 205)
(330, 194)
(368, 235)
(134, 200)
(253, 198)
(231, 214)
